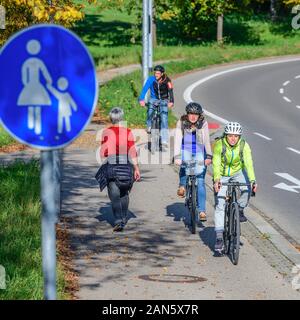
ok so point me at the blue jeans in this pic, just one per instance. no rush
(163, 118)
(201, 196)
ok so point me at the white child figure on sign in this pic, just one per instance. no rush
(65, 104)
(34, 95)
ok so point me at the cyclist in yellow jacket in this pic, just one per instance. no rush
(232, 161)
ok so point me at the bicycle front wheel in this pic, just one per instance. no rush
(235, 233)
(226, 233)
(193, 207)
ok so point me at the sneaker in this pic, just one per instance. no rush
(148, 130)
(181, 192)
(242, 216)
(118, 227)
(219, 245)
(202, 216)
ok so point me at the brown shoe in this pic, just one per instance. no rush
(181, 192)
(202, 216)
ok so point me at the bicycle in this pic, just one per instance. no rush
(232, 227)
(155, 138)
(191, 190)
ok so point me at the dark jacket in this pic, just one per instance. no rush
(162, 89)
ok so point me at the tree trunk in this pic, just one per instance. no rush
(273, 10)
(220, 30)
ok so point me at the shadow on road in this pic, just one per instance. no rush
(177, 210)
(207, 235)
(107, 215)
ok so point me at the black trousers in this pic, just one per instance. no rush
(120, 201)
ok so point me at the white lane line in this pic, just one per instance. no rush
(297, 77)
(286, 83)
(187, 95)
(262, 136)
(281, 91)
(298, 107)
(294, 150)
(287, 99)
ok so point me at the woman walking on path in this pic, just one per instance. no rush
(121, 165)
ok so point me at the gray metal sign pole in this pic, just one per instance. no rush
(50, 197)
(49, 218)
(145, 39)
(150, 41)
(57, 178)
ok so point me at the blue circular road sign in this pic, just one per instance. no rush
(48, 86)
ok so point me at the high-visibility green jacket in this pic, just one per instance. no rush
(231, 163)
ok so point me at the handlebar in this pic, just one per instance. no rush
(240, 184)
(191, 163)
(155, 104)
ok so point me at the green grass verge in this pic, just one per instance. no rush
(20, 232)
(5, 138)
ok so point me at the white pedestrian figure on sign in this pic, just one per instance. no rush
(34, 95)
(65, 104)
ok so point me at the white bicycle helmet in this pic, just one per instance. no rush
(233, 128)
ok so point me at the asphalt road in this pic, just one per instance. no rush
(265, 100)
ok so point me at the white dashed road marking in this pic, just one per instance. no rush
(294, 150)
(286, 83)
(262, 136)
(287, 99)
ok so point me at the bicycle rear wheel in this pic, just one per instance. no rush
(235, 233)
(193, 207)
(155, 136)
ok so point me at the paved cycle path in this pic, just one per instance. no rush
(156, 257)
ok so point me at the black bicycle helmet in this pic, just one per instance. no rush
(194, 108)
(159, 68)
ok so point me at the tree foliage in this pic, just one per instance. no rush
(23, 13)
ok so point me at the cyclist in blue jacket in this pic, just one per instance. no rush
(161, 90)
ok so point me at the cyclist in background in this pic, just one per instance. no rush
(161, 90)
(192, 142)
(232, 161)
